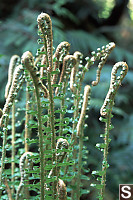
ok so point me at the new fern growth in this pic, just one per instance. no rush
(106, 115)
(54, 118)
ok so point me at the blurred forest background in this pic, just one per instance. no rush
(86, 25)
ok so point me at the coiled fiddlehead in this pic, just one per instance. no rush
(107, 50)
(106, 111)
(102, 54)
(25, 156)
(87, 91)
(27, 61)
(12, 65)
(16, 84)
(45, 26)
(80, 133)
(13, 92)
(61, 146)
(69, 61)
(73, 79)
(61, 189)
(61, 51)
(114, 84)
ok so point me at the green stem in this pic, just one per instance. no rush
(51, 116)
(27, 116)
(13, 146)
(3, 151)
(41, 147)
(106, 142)
(79, 163)
(27, 135)
(62, 105)
(52, 123)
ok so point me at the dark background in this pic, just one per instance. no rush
(86, 25)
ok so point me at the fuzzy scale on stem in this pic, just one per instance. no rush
(114, 84)
(61, 51)
(69, 61)
(27, 61)
(61, 189)
(62, 144)
(106, 111)
(45, 25)
(12, 65)
(78, 56)
(6, 110)
(87, 91)
(108, 50)
(12, 92)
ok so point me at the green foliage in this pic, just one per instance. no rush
(85, 39)
(45, 169)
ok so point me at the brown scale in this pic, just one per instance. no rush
(28, 62)
(45, 26)
(69, 59)
(74, 70)
(108, 50)
(12, 65)
(10, 97)
(114, 87)
(61, 51)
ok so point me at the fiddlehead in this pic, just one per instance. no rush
(16, 84)
(45, 26)
(28, 61)
(87, 91)
(68, 62)
(61, 189)
(61, 151)
(61, 51)
(73, 83)
(107, 50)
(12, 65)
(106, 111)
(114, 84)
(61, 146)
(25, 156)
(13, 91)
(80, 126)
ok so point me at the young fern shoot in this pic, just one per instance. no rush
(60, 126)
(106, 112)
(25, 156)
(80, 133)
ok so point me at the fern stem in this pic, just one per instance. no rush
(27, 60)
(13, 146)
(27, 135)
(27, 118)
(105, 154)
(79, 163)
(3, 151)
(41, 147)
